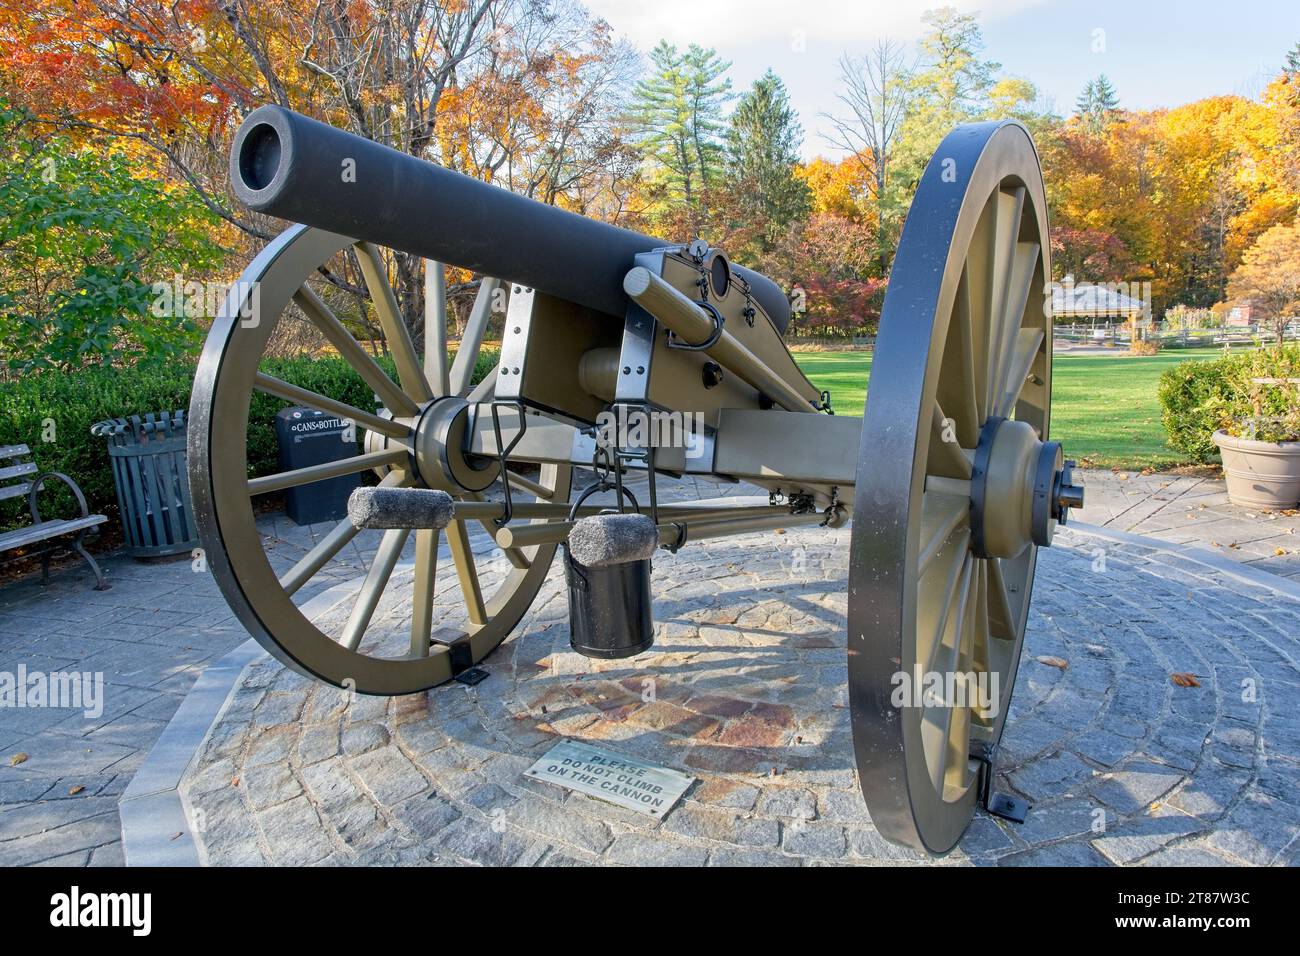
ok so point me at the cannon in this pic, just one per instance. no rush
(949, 479)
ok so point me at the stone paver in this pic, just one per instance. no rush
(749, 679)
(1124, 766)
(1193, 509)
(149, 636)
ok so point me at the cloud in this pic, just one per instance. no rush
(728, 24)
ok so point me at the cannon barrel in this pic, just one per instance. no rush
(289, 165)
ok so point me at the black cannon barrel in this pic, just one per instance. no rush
(289, 165)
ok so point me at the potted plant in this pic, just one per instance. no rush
(1259, 437)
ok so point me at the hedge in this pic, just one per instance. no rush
(71, 403)
(1194, 396)
(1197, 398)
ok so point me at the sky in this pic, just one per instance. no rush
(1156, 54)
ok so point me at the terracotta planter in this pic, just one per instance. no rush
(1260, 474)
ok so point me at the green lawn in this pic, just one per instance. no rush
(1104, 407)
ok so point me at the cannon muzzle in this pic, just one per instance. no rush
(289, 165)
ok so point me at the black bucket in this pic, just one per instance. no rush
(609, 607)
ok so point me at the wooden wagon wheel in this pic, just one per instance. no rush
(948, 506)
(413, 442)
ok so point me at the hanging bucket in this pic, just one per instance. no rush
(607, 569)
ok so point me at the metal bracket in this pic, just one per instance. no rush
(471, 676)
(507, 509)
(996, 803)
(712, 340)
(463, 670)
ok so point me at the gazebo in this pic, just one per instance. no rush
(1107, 302)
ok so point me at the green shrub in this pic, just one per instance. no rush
(87, 232)
(62, 407)
(1265, 388)
(1198, 398)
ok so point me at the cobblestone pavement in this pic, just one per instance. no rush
(1193, 509)
(162, 623)
(150, 636)
(748, 673)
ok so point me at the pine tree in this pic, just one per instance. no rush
(762, 149)
(677, 112)
(1291, 65)
(1097, 104)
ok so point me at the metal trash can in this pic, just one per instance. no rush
(310, 437)
(147, 454)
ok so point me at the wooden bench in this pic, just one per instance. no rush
(15, 467)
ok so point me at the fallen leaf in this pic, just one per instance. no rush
(176, 835)
(234, 781)
(1054, 662)
(75, 790)
(16, 759)
(1279, 551)
(1185, 680)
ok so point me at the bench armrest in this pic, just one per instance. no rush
(39, 481)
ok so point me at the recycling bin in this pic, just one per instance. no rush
(310, 437)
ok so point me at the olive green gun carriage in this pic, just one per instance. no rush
(948, 477)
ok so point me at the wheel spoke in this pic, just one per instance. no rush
(398, 335)
(977, 276)
(352, 353)
(986, 658)
(466, 572)
(328, 469)
(532, 487)
(426, 570)
(935, 605)
(1006, 234)
(316, 558)
(946, 457)
(435, 326)
(1001, 621)
(513, 555)
(1028, 342)
(957, 384)
(1019, 284)
(292, 393)
(462, 369)
(936, 728)
(331, 544)
(941, 515)
(381, 569)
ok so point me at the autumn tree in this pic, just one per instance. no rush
(949, 87)
(525, 93)
(85, 242)
(1269, 277)
(762, 152)
(876, 93)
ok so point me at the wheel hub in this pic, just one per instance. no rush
(1021, 488)
(439, 447)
